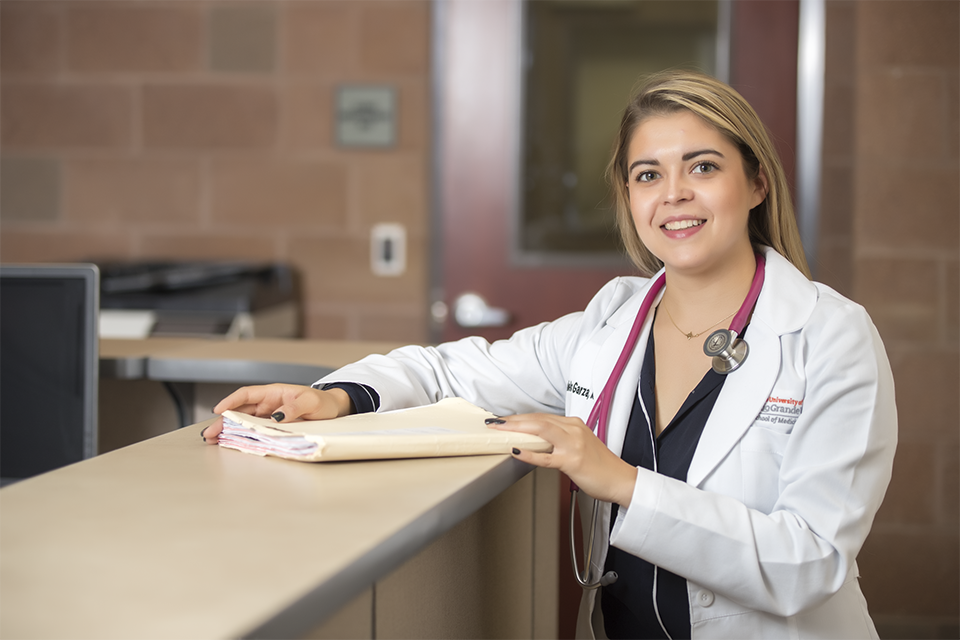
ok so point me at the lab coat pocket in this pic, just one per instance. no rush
(761, 451)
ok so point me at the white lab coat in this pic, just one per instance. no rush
(790, 470)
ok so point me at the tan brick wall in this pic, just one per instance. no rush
(890, 239)
(192, 129)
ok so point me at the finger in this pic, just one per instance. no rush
(550, 428)
(286, 413)
(302, 403)
(292, 410)
(283, 400)
(521, 423)
(212, 431)
(249, 409)
(535, 458)
(243, 399)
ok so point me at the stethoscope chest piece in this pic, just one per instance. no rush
(726, 349)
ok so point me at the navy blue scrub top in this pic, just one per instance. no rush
(627, 604)
(364, 398)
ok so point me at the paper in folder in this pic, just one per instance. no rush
(451, 427)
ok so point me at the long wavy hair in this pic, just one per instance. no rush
(771, 223)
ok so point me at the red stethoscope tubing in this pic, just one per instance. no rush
(600, 414)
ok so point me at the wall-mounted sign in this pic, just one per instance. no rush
(366, 116)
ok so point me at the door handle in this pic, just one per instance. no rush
(471, 310)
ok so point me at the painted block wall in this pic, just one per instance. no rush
(205, 130)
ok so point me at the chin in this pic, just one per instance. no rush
(692, 267)
(683, 259)
(696, 261)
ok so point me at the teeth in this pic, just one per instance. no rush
(682, 224)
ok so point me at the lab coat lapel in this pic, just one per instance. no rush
(620, 324)
(740, 401)
(785, 304)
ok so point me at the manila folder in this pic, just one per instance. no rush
(451, 427)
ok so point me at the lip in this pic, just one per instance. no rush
(679, 234)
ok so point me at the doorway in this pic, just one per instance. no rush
(521, 272)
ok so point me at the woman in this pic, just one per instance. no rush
(733, 504)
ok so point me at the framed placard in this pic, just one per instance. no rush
(366, 116)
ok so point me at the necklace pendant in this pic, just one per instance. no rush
(689, 336)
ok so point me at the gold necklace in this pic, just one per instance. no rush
(689, 335)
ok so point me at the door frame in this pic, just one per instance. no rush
(471, 206)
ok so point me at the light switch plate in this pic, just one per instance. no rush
(388, 249)
(366, 116)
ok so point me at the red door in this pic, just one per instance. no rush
(478, 166)
(477, 54)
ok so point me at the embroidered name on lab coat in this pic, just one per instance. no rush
(781, 411)
(576, 389)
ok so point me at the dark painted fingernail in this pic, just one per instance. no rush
(494, 421)
(278, 416)
(203, 431)
(516, 451)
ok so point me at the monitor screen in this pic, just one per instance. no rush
(49, 354)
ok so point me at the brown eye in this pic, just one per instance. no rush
(705, 167)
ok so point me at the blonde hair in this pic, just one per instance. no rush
(772, 222)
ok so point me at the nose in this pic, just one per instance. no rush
(676, 189)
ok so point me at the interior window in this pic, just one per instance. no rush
(581, 61)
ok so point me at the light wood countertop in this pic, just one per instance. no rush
(171, 538)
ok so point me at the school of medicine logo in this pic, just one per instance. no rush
(781, 411)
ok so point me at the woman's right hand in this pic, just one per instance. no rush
(283, 403)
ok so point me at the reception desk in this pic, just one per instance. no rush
(172, 538)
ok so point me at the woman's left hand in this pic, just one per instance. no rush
(578, 453)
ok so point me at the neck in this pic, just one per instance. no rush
(695, 298)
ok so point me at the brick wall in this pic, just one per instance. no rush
(890, 237)
(187, 129)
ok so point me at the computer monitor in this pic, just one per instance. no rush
(49, 354)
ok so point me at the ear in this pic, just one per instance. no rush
(761, 187)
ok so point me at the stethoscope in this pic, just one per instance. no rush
(724, 346)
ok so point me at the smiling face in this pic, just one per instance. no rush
(690, 197)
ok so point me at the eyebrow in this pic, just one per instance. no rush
(687, 156)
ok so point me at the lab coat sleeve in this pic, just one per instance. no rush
(526, 373)
(835, 469)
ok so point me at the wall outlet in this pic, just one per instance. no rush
(388, 249)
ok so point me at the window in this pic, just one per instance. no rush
(581, 61)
